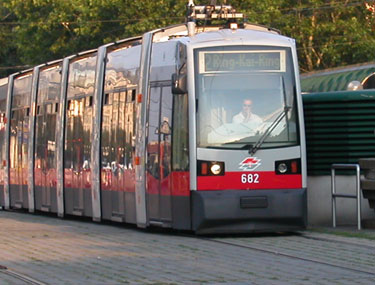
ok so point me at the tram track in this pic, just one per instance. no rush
(292, 256)
(19, 276)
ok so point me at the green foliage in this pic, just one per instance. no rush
(8, 50)
(329, 33)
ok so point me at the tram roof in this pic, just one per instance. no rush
(256, 34)
(261, 37)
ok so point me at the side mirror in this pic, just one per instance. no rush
(179, 82)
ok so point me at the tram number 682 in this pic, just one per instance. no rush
(250, 178)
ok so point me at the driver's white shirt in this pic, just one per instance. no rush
(240, 118)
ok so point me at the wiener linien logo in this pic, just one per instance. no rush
(249, 163)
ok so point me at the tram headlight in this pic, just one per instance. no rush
(290, 166)
(282, 168)
(215, 169)
(211, 168)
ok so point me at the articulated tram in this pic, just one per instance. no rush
(190, 127)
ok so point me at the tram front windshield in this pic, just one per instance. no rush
(245, 94)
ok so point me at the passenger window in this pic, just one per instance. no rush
(165, 130)
(89, 101)
(106, 99)
(153, 133)
(180, 145)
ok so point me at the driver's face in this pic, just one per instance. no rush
(246, 105)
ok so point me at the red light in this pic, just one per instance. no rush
(137, 160)
(294, 167)
(204, 168)
(139, 98)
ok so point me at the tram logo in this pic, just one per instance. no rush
(249, 163)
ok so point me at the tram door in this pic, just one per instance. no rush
(159, 202)
(45, 156)
(77, 152)
(19, 138)
(113, 151)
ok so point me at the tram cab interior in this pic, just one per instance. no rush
(225, 98)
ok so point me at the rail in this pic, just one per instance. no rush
(335, 195)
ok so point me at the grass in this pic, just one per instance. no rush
(187, 247)
(343, 233)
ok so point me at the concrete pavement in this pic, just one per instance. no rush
(50, 250)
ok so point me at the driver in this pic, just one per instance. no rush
(246, 116)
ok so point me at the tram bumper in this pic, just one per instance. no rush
(249, 211)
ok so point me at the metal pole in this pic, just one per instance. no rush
(358, 182)
(333, 190)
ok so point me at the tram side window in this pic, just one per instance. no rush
(121, 143)
(3, 92)
(50, 139)
(24, 124)
(153, 132)
(165, 130)
(130, 117)
(67, 154)
(14, 142)
(180, 145)
(87, 127)
(106, 133)
(39, 137)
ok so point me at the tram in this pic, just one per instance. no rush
(191, 127)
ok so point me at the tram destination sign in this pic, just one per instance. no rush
(227, 61)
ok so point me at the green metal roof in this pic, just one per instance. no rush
(335, 80)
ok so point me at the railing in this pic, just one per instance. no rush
(335, 195)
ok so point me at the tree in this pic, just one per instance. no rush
(8, 50)
(328, 33)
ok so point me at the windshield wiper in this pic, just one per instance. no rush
(232, 145)
(269, 130)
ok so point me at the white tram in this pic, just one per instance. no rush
(190, 127)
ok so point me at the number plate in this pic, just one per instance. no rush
(251, 178)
